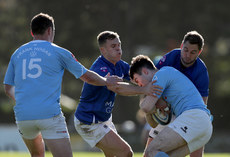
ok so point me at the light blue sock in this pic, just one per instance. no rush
(161, 154)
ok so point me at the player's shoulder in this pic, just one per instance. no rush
(174, 52)
(167, 73)
(99, 66)
(123, 64)
(169, 58)
(200, 63)
(58, 48)
(166, 69)
(20, 50)
(164, 72)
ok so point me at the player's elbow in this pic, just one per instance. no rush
(89, 78)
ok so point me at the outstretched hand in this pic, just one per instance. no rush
(153, 90)
(112, 80)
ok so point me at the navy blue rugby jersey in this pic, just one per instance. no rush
(97, 102)
(197, 73)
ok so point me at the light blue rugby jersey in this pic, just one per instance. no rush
(36, 71)
(178, 91)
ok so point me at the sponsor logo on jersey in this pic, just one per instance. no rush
(104, 69)
(162, 60)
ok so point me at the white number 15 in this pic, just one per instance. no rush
(33, 64)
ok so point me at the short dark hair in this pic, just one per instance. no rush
(106, 35)
(40, 23)
(138, 63)
(194, 37)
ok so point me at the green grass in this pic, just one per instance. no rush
(89, 154)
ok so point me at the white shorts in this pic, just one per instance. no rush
(52, 128)
(194, 126)
(93, 133)
(155, 131)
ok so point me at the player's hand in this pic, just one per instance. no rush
(152, 90)
(112, 80)
(163, 106)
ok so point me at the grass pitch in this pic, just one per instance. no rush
(94, 154)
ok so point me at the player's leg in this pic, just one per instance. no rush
(104, 136)
(148, 141)
(181, 151)
(195, 134)
(166, 141)
(178, 152)
(56, 136)
(35, 146)
(113, 145)
(59, 147)
(198, 153)
(31, 137)
(153, 133)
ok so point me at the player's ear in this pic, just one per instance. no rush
(145, 71)
(102, 50)
(49, 30)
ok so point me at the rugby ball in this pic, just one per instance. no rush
(161, 118)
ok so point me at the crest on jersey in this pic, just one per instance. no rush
(155, 77)
(162, 60)
(104, 69)
(33, 53)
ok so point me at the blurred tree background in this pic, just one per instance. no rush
(148, 27)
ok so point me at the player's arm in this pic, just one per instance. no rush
(9, 90)
(148, 104)
(93, 78)
(128, 89)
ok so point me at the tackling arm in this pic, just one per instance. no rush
(127, 89)
(148, 104)
(93, 78)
